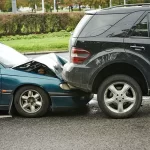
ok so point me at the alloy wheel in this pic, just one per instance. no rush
(119, 97)
(31, 101)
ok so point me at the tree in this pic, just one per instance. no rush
(5, 5)
(2, 4)
(23, 3)
(98, 3)
(33, 3)
(68, 3)
(48, 5)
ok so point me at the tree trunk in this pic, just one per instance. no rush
(79, 7)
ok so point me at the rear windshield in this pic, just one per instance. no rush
(81, 25)
(100, 23)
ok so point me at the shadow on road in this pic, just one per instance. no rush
(91, 110)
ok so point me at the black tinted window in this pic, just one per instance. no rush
(122, 28)
(141, 29)
(81, 25)
(100, 23)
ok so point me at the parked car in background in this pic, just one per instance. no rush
(35, 86)
(110, 56)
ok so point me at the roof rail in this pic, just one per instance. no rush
(130, 5)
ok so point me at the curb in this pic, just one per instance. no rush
(44, 52)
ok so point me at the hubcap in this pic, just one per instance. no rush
(31, 101)
(120, 97)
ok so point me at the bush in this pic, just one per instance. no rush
(11, 24)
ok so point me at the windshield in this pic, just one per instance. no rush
(10, 57)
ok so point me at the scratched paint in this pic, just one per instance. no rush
(106, 58)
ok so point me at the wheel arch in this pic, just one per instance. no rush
(23, 85)
(121, 68)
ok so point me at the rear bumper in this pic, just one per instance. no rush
(74, 100)
(77, 76)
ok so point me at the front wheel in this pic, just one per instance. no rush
(119, 96)
(31, 101)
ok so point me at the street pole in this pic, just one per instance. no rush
(14, 6)
(125, 2)
(55, 10)
(43, 8)
(110, 3)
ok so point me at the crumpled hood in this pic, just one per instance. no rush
(11, 58)
(52, 61)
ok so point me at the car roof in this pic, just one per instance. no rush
(120, 9)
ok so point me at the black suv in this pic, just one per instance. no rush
(110, 56)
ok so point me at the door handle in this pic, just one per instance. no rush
(137, 48)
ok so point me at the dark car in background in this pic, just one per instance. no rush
(110, 56)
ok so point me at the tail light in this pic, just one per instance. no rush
(78, 55)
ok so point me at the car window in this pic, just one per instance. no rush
(81, 25)
(100, 23)
(122, 28)
(141, 29)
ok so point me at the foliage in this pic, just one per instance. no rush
(5, 5)
(48, 5)
(11, 24)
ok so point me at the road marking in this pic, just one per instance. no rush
(5, 116)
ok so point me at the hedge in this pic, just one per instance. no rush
(12, 24)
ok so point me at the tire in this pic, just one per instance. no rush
(31, 101)
(119, 96)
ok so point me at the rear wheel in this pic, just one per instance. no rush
(31, 101)
(119, 96)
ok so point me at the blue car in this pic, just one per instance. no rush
(34, 86)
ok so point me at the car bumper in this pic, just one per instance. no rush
(77, 76)
(70, 100)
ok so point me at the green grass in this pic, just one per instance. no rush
(38, 42)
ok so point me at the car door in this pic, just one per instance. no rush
(139, 39)
(0, 85)
(137, 44)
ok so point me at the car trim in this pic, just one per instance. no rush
(6, 91)
(4, 107)
(61, 94)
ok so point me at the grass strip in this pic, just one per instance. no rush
(57, 41)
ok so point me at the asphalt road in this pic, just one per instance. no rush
(87, 129)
